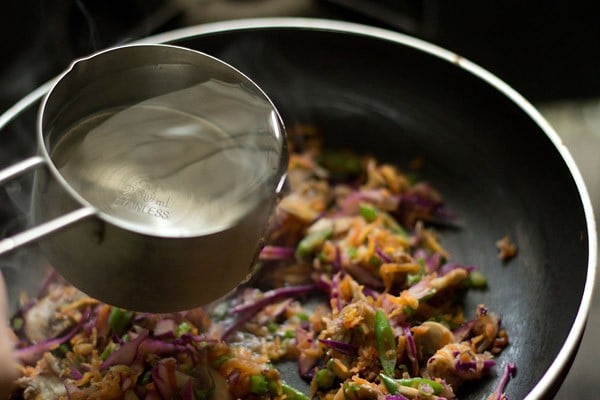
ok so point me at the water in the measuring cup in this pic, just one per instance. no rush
(189, 162)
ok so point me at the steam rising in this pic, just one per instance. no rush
(24, 267)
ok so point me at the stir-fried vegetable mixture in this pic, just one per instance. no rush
(353, 284)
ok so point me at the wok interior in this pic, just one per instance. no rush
(495, 167)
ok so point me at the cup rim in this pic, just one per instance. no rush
(277, 184)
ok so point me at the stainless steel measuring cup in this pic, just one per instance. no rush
(162, 166)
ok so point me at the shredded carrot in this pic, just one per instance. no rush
(432, 243)
(390, 272)
(371, 246)
(360, 239)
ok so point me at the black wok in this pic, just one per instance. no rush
(502, 169)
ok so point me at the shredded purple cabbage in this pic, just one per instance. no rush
(165, 328)
(432, 262)
(411, 349)
(384, 257)
(71, 389)
(396, 397)
(364, 277)
(271, 296)
(371, 292)
(127, 353)
(31, 353)
(421, 289)
(351, 203)
(335, 290)
(248, 309)
(188, 391)
(509, 371)
(306, 364)
(416, 200)
(452, 266)
(234, 377)
(275, 253)
(337, 261)
(160, 347)
(239, 322)
(160, 378)
(342, 347)
(433, 206)
(323, 284)
(462, 366)
(75, 373)
(89, 321)
(462, 332)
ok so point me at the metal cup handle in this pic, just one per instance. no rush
(46, 228)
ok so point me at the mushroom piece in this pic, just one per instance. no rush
(456, 363)
(43, 320)
(44, 383)
(485, 329)
(431, 336)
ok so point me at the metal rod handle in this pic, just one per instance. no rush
(46, 228)
(20, 168)
(42, 230)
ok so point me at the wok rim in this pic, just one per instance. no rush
(571, 343)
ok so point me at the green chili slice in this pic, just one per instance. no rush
(259, 384)
(183, 328)
(220, 360)
(17, 324)
(417, 382)
(324, 378)
(118, 319)
(368, 212)
(386, 343)
(477, 280)
(312, 242)
(292, 393)
(392, 384)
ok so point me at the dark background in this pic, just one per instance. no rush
(548, 50)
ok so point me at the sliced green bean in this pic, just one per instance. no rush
(312, 242)
(292, 393)
(386, 343)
